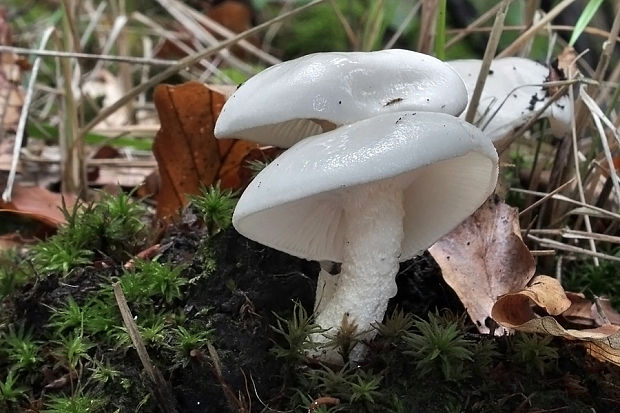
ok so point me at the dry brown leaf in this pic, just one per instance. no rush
(580, 311)
(583, 313)
(38, 203)
(605, 309)
(516, 310)
(185, 148)
(187, 153)
(483, 258)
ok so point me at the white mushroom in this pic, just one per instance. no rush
(309, 95)
(369, 195)
(316, 93)
(512, 95)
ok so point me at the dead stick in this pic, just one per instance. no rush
(159, 387)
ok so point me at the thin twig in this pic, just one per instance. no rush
(73, 55)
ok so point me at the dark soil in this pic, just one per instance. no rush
(238, 301)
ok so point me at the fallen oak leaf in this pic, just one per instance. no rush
(586, 314)
(185, 148)
(187, 153)
(516, 311)
(484, 258)
(579, 314)
(232, 163)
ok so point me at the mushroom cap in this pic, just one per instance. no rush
(506, 79)
(278, 105)
(445, 166)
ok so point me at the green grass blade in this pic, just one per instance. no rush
(584, 19)
(440, 35)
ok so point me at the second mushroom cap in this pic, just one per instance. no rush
(309, 95)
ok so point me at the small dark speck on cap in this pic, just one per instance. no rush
(443, 106)
(490, 72)
(428, 100)
(340, 102)
(514, 68)
(514, 95)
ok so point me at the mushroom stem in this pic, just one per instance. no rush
(373, 221)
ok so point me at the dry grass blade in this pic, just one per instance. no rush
(187, 61)
(200, 34)
(428, 19)
(173, 38)
(345, 25)
(401, 29)
(546, 242)
(21, 126)
(602, 212)
(489, 54)
(94, 20)
(580, 190)
(546, 197)
(223, 31)
(521, 40)
(595, 31)
(596, 112)
(161, 390)
(117, 27)
(574, 234)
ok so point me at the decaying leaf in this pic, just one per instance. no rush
(520, 311)
(483, 258)
(187, 153)
(185, 148)
(38, 203)
(514, 309)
